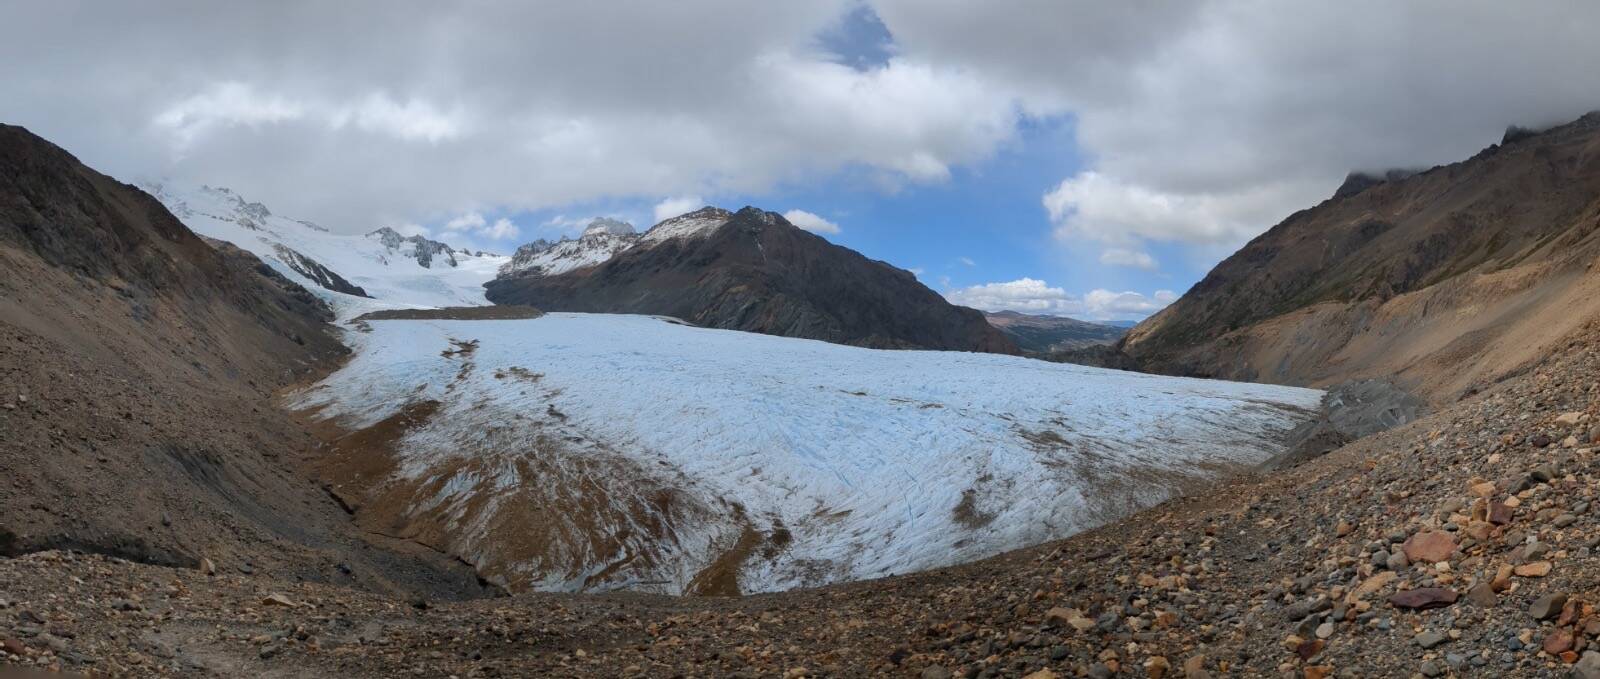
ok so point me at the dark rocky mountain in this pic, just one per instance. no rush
(754, 271)
(314, 270)
(1446, 279)
(1036, 334)
(138, 365)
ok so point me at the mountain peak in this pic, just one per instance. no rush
(701, 222)
(608, 226)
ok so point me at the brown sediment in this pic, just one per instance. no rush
(499, 312)
(721, 578)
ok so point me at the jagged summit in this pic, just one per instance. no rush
(698, 223)
(416, 247)
(383, 265)
(1359, 181)
(606, 225)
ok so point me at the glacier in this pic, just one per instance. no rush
(591, 452)
(792, 462)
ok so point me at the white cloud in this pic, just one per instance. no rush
(470, 221)
(413, 229)
(672, 207)
(474, 223)
(810, 222)
(223, 105)
(967, 261)
(501, 229)
(1136, 259)
(1104, 209)
(413, 120)
(1034, 296)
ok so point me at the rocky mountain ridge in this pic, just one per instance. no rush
(1446, 279)
(754, 271)
(601, 240)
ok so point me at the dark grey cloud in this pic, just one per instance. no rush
(1204, 122)
(1209, 121)
(358, 113)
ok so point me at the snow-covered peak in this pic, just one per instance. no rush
(607, 226)
(383, 269)
(416, 247)
(700, 223)
(600, 242)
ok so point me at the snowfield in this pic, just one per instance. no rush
(392, 277)
(585, 452)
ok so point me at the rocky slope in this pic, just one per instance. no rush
(754, 271)
(138, 365)
(1446, 280)
(1460, 545)
(1037, 334)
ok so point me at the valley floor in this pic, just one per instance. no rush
(1463, 544)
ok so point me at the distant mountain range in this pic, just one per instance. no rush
(1039, 334)
(375, 270)
(748, 270)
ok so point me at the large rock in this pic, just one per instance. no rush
(1430, 547)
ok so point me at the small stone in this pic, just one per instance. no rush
(1047, 674)
(1537, 569)
(1157, 667)
(935, 672)
(1430, 638)
(1398, 561)
(1432, 668)
(1569, 419)
(1564, 520)
(1502, 578)
(1482, 595)
(1499, 513)
(1423, 598)
(1195, 668)
(1325, 630)
(1058, 616)
(1547, 606)
(276, 599)
(1429, 547)
(207, 567)
(13, 647)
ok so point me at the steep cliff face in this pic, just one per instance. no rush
(1446, 278)
(754, 271)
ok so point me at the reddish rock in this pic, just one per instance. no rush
(1310, 648)
(1558, 642)
(13, 647)
(1423, 598)
(1429, 547)
(1499, 513)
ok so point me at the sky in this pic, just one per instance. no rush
(1077, 158)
